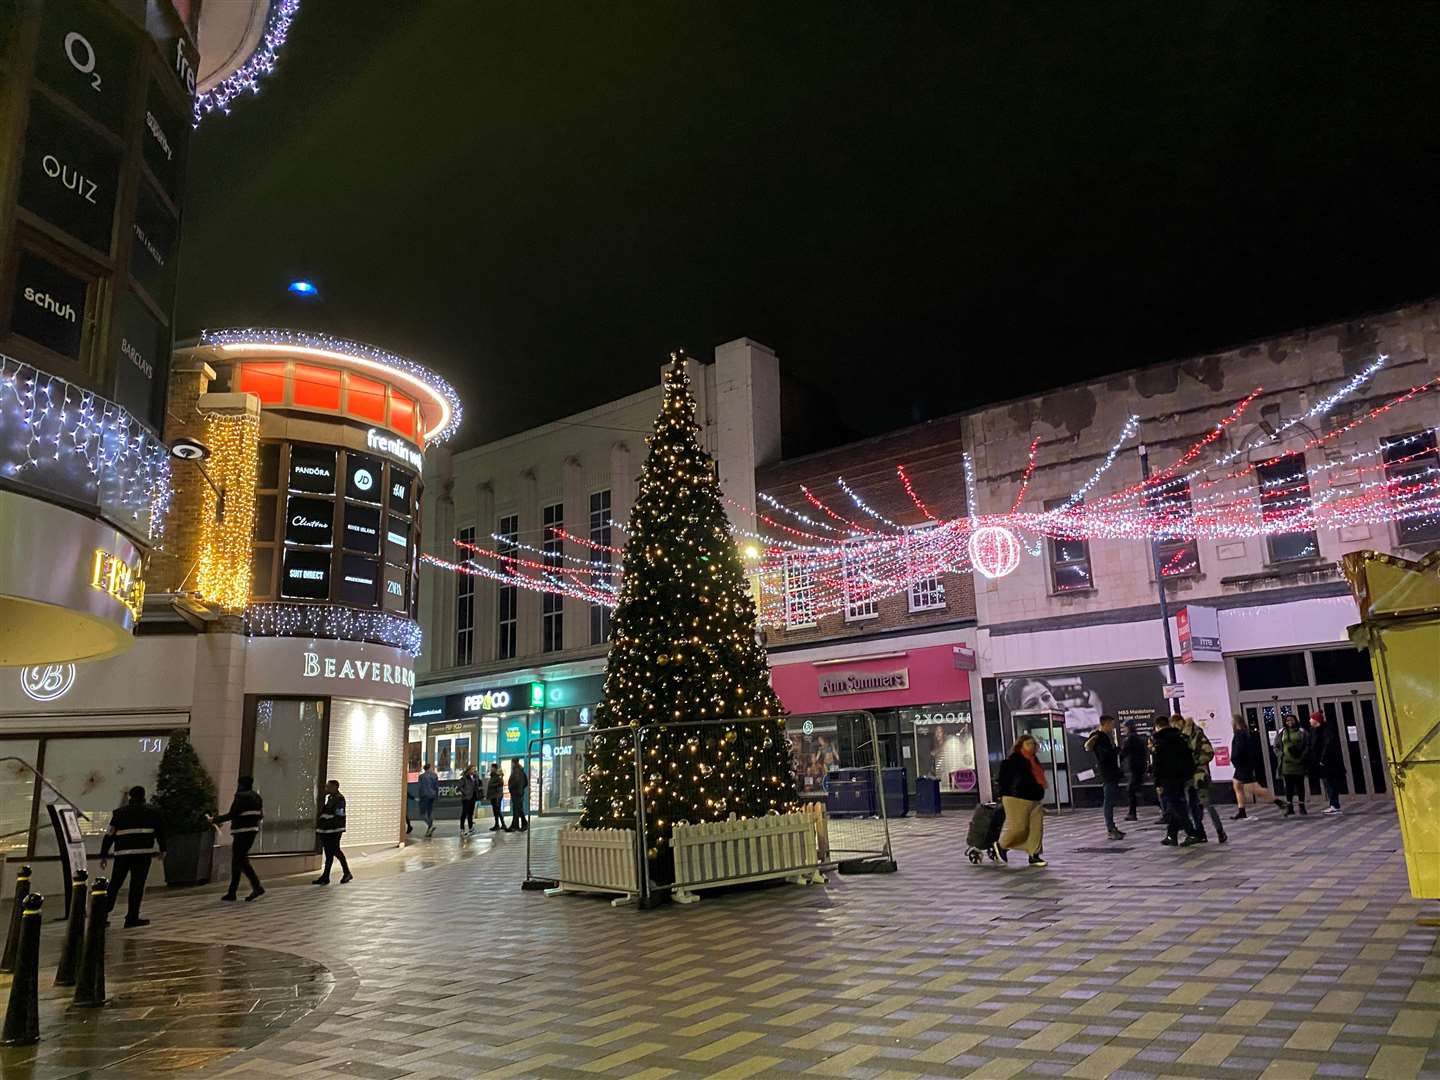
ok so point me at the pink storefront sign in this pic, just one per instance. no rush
(913, 677)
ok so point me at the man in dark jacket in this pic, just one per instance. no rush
(1135, 756)
(136, 833)
(1324, 758)
(1107, 764)
(329, 829)
(519, 794)
(1174, 767)
(245, 815)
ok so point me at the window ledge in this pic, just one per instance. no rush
(861, 618)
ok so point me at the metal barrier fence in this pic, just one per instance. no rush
(838, 773)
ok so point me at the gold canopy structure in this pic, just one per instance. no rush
(1400, 626)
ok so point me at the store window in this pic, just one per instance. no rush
(465, 603)
(17, 793)
(415, 751)
(944, 743)
(1412, 470)
(507, 597)
(922, 554)
(601, 540)
(1170, 511)
(285, 762)
(799, 591)
(1285, 502)
(1271, 671)
(96, 772)
(1069, 557)
(364, 753)
(857, 570)
(552, 604)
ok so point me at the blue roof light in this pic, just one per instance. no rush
(302, 287)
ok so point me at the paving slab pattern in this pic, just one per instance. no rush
(1291, 952)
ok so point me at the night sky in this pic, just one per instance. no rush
(919, 207)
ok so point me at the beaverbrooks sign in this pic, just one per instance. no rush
(840, 683)
(329, 667)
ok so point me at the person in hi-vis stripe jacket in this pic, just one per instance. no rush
(245, 815)
(136, 833)
(330, 827)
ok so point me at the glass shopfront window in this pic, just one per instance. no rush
(96, 772)
(944, 744)
(17, 794)
(286, 746)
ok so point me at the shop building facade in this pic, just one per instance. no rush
(504, 664)
(907, 658)
(1258, 622)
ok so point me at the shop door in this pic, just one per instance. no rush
(452, 755)
(1265, 719)
(1360, 736)
(1048, 730)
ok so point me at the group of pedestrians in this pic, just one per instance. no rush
(470, 788)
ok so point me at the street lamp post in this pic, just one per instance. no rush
(1160, 587)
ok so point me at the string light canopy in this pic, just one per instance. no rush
(814, 564)
(246, 78)
(439, 401)
(334, 621)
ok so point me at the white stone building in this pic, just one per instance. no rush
(1076, 626)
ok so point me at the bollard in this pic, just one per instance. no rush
(90, 983)
(12, 938)
(74, 933)
(22, 1013)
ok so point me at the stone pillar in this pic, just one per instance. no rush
(172, 563)
(527, 633)
(485, 588)
(577, 523)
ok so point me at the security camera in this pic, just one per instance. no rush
(189, 450)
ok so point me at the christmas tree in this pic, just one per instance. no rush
(683, 649)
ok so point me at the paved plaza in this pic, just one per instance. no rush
(1292, 952)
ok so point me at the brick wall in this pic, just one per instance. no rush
(932, 456)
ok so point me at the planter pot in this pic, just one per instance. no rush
(188, 858)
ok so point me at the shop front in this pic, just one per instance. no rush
(93, 730)
(318, 710)
(920, 696)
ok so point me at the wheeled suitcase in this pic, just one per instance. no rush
(985, 829)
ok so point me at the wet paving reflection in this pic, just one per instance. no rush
(173, 1006)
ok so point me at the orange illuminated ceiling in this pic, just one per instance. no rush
(318, 373)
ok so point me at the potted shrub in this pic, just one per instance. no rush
(184, 794)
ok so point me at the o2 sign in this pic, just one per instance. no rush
(81, 55)
(47, 682)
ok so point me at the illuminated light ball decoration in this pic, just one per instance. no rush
(334, 621)
(343, 349)
(994, 551)
(222, 575)
(246, 78)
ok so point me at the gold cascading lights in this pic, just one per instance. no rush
(222, 575)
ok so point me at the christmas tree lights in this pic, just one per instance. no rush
(684, 649)
(222, 575)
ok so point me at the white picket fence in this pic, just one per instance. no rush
(753, 849)
(597, 860)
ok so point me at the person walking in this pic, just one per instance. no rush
(1174, 767)
(429, 791)
(1135, 754)
(1245, 756)
(330, 828)
(470, 786)
(1293, 743)
(1198, 793)
(495, 794)
(1022, 795)
(1101, 743)
(1325, 760)
(136, 833)
(519, 793)
(247, 811)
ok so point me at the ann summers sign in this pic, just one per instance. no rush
(840, 683)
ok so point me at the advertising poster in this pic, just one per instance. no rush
(1130, 693)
